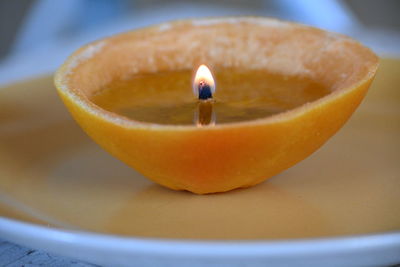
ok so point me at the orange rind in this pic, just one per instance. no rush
(225, 156)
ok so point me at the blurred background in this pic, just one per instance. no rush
(37, 35)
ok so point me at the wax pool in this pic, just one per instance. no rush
(167, 98)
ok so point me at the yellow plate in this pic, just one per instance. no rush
(51, 173)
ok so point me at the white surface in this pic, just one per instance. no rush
(371, 250)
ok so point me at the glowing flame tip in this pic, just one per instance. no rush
(203, 75)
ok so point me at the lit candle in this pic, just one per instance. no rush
(283, 90)
(204, 88)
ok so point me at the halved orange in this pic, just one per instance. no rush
(238, 154)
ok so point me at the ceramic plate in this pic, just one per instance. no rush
(60, 192)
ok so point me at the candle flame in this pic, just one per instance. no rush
(203, 77)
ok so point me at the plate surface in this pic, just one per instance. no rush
(53, 175)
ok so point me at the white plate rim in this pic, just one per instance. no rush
(15, 230)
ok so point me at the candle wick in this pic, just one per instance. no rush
(204, 91)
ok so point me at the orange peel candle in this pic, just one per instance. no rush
(283, 90)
